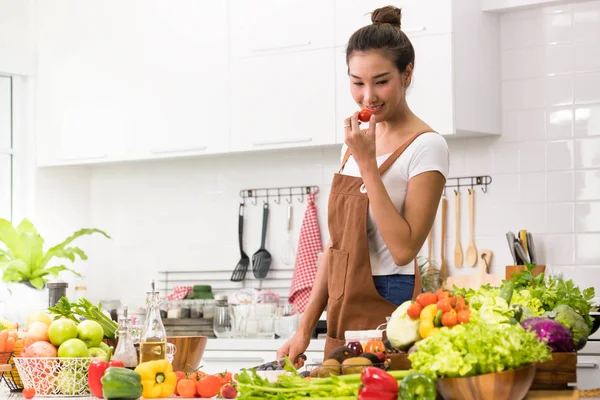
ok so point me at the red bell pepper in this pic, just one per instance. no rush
(96, 372)
(377, 379)
(366, 393)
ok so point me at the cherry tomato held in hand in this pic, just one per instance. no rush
(364, 115)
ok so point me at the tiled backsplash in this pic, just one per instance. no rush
(545, 169)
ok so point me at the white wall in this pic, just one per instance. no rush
(173, 215)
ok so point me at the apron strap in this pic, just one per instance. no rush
(394, 156)
(345, 160)
(418, 281)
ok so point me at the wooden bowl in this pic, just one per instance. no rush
(190, 350)
(507, 385)
(188, 354)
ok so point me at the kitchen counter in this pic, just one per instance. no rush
(316, 345)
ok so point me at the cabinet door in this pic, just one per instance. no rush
(130, 80)
(430, 95)
(588, 372)
(214, 362)
(417, 16)
(344, 104)
(17, 49)
(283, 100)
(266, 26)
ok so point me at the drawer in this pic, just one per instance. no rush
(218, 361)
(588, 372)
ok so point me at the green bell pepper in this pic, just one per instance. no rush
(121, 383)
(417, 386)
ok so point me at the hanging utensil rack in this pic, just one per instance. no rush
(288, 193)
(469, 182)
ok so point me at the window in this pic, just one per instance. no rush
(6, 147)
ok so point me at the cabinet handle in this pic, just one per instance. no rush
(100, 156)
(290, 46)
(283, 141)
(414, 30)
(587, 365)
(7, 151)
(180, 150)
(234, 359)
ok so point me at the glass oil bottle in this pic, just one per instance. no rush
(153, 342)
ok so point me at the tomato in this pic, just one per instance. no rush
(364, 115)
(426, 299)
(208, 386)
(180, 375)
(449, 318)
(186, 388)
(414, 311)
(446, 304)
(29, 393)
(461, 304)
(463, 316)
(226, 377)
(196, 375)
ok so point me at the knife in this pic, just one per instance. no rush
(280, 362)
(523, 240)
(532, 255)
(510, 237)
(521, 252)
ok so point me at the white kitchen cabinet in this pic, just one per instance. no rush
(215, 361)
(17, 49)
(511, 5)
(283, 100)
(260, 27)
(126, 80)
(588, 371)
(456, 83)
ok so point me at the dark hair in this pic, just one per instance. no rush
(384, 34)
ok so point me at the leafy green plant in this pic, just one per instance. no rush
(430, 274)
(24, 259)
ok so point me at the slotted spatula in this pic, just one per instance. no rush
(239, 273)
(261, 260)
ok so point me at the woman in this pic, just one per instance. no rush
(384, 200)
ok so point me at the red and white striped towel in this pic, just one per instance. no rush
(179, 292)
(309, 247)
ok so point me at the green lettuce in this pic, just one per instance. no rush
(24, 261)
(476, 349)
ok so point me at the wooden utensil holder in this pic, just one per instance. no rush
(515, 269)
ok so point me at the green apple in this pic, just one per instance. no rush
(62, 330)
(71, 382)
(98, 352)
(90, 332)
(73, 348)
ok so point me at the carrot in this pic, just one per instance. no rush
(10, 344)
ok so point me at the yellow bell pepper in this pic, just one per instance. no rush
(158, 379)
(426, 327)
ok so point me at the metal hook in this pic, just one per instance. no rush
(267, 196)
(278, 197)
(289, 201)
(301, 199)
(484, 188)
(255, 199)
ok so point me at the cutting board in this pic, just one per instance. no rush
(480, 276)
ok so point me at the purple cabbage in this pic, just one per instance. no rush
(553, 333)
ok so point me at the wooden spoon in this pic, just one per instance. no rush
(458, 251)
(471, 250)
(444, 263)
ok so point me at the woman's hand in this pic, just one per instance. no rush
(361, 142)
(293, 348)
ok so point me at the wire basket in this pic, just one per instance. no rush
(12, 378)
(53, 376)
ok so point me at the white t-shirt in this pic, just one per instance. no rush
(428, 152)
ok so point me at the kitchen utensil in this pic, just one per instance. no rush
(279, 362)
(521, 252)
(531, 248)
(479, 278)
(510, 237)
(506, 385)
(261, 260)
(458, 251)
(190, 350)
(444, 263)
(523, 240)
(471, 250)
(288, 255)
(510, 270)
(239, 273)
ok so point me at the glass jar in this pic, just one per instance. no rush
(174, 310)
(153, 343)
(222, 320)
(209, 309)
(186, 308)
(126, 351)
(195, 309)
(353, 341)
(375, 342)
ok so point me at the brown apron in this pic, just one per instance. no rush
(354, 303)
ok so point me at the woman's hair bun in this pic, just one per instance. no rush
(387, 15)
